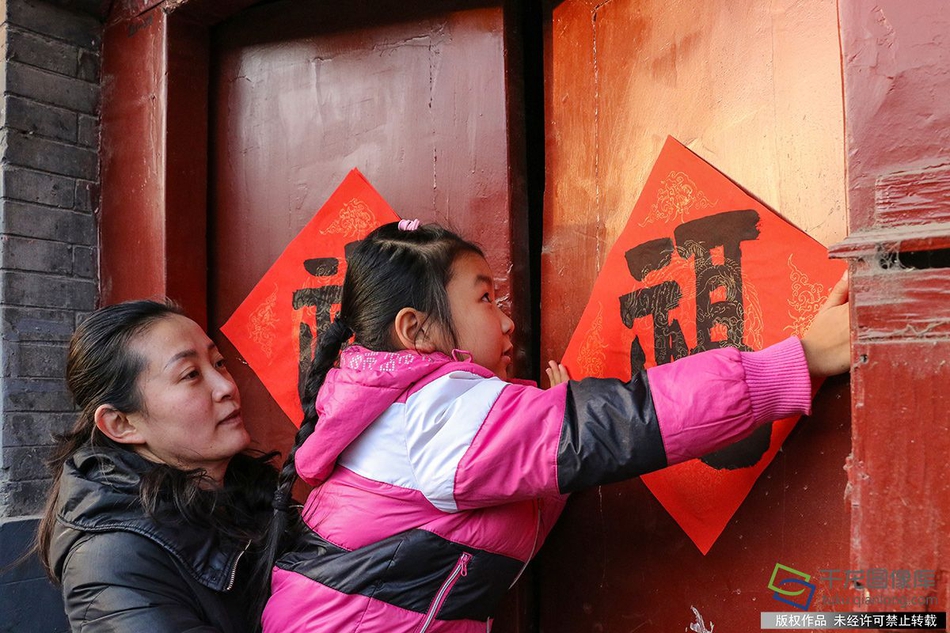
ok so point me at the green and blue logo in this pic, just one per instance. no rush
(789, 585)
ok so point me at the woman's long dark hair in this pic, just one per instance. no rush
(102, 368)
(389, 270)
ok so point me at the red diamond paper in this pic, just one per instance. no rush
(277, 326)
(700, 265)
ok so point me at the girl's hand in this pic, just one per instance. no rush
(827, 343)
(557, 373)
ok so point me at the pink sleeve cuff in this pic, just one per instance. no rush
(778, 380)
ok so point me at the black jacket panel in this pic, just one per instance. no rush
(124, 571)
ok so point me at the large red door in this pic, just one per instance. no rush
(302, 93)
(424, 104)
(755, 89)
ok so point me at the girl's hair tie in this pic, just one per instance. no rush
(281, 501)
(408, 225)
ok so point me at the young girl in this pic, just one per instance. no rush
(437, 479)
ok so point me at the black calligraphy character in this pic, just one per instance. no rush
(323, 299)
(656, 301)
(699, 239)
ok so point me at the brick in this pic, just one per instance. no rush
(51, 88)
(37, 118)
(34, 324)
(87, 196)
(33, 220)
(26, 253)
(33, 360)
(88, 66)
(50, 156)
(25, 463)
(23, 288)
(36, 394)
(60, 23)
(34, 186)
(80, 316)
(42, 52)
(88, 131)
(85, 262)
(23, 498)
(31, 429)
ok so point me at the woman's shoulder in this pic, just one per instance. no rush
(125, 548)
(116, 556)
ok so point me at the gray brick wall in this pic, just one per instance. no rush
(49, 177)
(48, 195)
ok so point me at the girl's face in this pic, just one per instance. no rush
(191, 413)
(483, 329)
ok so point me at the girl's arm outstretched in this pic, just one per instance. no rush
(527, 442)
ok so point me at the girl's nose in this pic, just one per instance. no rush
(507, 325)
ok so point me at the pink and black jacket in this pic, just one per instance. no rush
(436, 482)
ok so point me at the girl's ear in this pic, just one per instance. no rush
(116, 426)
(411, 332)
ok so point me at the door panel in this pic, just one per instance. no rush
(756, 90)
(417, 98)
(302, 94)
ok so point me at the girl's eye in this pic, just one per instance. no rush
(191, 375)
(486, 297)
(220, 363)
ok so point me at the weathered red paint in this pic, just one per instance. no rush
(131, 212)
(896, 77)
(154, 160)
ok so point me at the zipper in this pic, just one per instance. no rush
(460, 569)
(537, 533)
(235, 567)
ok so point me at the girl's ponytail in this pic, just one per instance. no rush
(328, 350)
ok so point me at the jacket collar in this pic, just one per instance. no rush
(99, 492)
(354, 394)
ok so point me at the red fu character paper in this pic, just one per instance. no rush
(701, 265)
(277, 326)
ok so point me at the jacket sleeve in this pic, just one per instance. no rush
(117, 582)
(527, 443)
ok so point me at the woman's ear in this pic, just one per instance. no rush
(411, 332)
(116, 425)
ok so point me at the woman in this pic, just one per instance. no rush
(154, 506)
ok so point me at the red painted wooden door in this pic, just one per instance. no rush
(301, 93)
(756, 91)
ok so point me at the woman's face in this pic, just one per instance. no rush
(191, 408)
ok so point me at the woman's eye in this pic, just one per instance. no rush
(486, 297)
(191, 375)
(220, 363)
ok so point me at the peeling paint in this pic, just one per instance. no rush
(699, 626)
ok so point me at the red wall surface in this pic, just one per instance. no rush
(897, 79)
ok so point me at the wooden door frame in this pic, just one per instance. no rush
(153, 210)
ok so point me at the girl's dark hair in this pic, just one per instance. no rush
(102, 368)
(389, 270)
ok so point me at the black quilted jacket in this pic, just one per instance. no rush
(123, 571)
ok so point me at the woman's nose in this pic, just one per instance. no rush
(224, 386)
